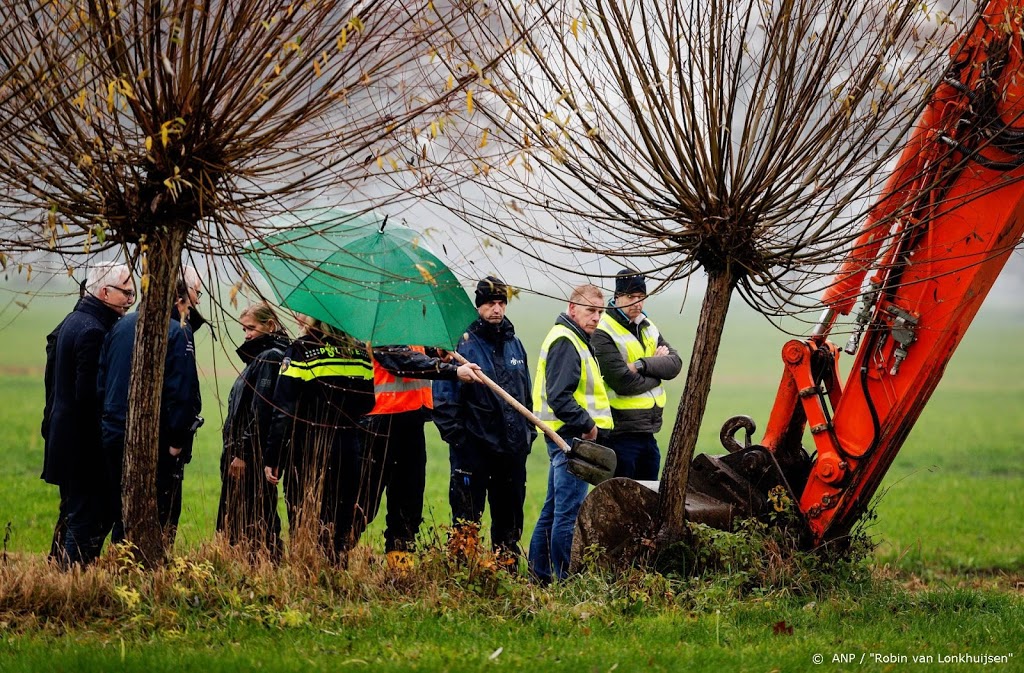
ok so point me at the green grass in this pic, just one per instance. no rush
(429, 636)
(949, 515)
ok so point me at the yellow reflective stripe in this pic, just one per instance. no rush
(307, 371)
(632, 350)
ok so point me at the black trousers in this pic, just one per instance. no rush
(247, 511)
(481, 475)
(89, 520)
(395, 462)
(170, 472)
(59, 531)
(322, 479)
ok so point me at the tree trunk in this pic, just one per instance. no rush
(715, 307)
(162, 263)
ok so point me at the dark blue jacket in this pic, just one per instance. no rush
(73, 449)
(181, 401)
(471, 412)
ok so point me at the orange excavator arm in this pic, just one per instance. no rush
(949, 217)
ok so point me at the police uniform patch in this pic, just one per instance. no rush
(285, 364)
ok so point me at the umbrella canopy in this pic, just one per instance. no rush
(375, 280)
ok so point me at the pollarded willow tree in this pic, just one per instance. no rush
(151, 128)
(740, 139)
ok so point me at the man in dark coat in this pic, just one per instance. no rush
(179, 408)
(488, 439)
(73, 454)
(60, 528)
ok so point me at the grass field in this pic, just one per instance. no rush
(949, 526)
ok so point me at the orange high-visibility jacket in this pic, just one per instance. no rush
(396, 394)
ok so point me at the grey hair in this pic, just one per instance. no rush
(105, 273)
(191, 277)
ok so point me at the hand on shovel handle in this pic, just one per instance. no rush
(469, 372)
(513, 402)
(589, 461)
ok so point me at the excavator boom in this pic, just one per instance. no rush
(949, 217)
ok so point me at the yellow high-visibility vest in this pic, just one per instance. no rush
(590, 393)
(632, 349)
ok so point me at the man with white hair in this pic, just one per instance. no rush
(73, 454)
(180, 403)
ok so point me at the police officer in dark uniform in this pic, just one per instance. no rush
(325, 386)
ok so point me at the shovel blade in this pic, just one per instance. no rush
(591, 462)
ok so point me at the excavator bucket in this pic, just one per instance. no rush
(615, 527)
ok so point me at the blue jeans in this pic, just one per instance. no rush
(551, 544)
(637, 455)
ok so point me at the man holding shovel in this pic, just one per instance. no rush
(569, 394)
(489, 440)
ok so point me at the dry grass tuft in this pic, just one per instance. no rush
(222, 582)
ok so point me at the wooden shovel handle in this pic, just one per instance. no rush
(517, 405)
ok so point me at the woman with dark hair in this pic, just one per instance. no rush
(325, 388)
(247, 513)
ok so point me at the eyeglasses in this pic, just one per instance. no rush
(199, 294)
(127, 293)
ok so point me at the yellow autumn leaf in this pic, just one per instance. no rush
(469, 101)
(574, 28)
(426, 273)
(483, 138)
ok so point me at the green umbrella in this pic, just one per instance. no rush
(375, 280)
